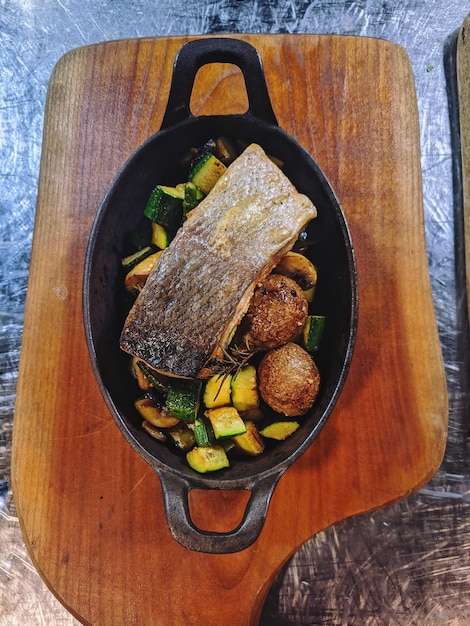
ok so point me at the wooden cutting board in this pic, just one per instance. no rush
(463, 86)
(91, 510)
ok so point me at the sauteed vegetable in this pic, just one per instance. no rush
(267, 379)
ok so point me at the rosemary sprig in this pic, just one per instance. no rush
(234, 359)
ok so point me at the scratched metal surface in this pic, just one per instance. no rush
(408, 564)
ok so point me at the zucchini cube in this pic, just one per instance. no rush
(225, 421)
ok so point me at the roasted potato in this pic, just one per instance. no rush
(289, 380)
(277, 312)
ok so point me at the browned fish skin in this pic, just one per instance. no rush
(202, 286)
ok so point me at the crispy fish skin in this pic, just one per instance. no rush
(195, 298)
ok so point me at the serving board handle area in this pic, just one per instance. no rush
(91, 510)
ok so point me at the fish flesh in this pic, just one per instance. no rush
(188, 310)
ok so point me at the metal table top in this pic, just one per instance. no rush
(406, 564)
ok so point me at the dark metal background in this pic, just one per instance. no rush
(408, 564)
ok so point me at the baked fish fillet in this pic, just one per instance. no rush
(191, 304)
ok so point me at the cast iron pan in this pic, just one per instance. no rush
(105, 305)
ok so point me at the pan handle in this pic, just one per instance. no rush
(175, 495)
(199, 52)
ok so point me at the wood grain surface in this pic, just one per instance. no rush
(91, 509)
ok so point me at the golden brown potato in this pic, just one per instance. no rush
(288, 380)
(277, 312)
